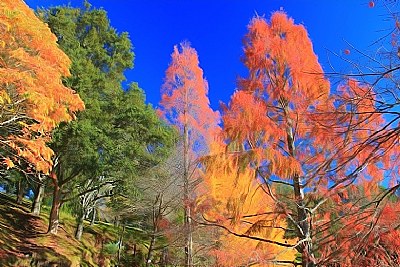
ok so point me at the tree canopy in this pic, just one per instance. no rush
(33, 98)
(117, 135)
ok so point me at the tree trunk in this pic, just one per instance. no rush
(37, 201)
(55, 210)
(149, 254)
(189, 239)
(302, 221)
(21, 186)
(116, 221)
(305, 248)
(186, 199)
(8, 189)
(79, 227)
(120, 244)
(164, 257)
(93, 217)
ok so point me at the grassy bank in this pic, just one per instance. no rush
(24, 241)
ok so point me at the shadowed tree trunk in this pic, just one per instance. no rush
(21, 186)
(79, 228)
(156, 218)
(164, 257)
(149, 254)
(120, 243)
(55, 209)
(93, 217)
(37, 201)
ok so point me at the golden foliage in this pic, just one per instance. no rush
(33, 99)
(237, 201)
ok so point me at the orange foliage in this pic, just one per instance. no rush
(285, 81)
(359, 121)
(283, 93)
(284, 126)
(184, 98)
(32, 97)
(368, 238)
(289, 96)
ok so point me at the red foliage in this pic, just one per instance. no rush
(184, 101)
(284, 123)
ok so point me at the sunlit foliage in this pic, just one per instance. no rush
(33, 99)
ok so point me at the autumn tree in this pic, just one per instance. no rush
(185, 104)
(368, 105)
(270, 117)
(329, 151)
(280, 125)
(33, 99)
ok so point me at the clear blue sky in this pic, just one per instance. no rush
(215, 29)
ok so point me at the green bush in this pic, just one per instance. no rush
(111, 248)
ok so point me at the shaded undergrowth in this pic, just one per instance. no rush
(24, 241)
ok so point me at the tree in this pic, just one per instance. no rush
(38, 190)
(96, 74)
(159, 206)
(118, 134)
(286, 126)
(88, 198)
(185, 104)
(33, 99)
(276, 103)
(368, 103)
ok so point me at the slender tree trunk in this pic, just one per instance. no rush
(303, 233)
(164, 257)
(21, 186)
(149, 254)
(93, 217)
(116, 221)
(186, 198)
(79, 226)
(37, 201)
(55, 210)
(156, 219)
(121, 237)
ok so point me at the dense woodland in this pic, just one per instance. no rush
(300, 168)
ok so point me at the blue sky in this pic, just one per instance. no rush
(216, 29)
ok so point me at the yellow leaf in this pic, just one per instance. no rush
(9, 163)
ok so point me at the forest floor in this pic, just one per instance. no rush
(24, 241)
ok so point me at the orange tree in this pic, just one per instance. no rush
(185, 104)
(298, 141)
(369, 121)
(33, 100)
